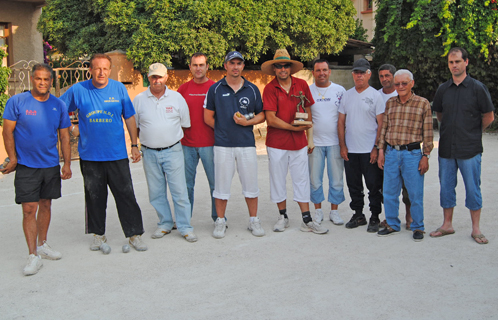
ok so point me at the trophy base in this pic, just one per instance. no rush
(301, 123)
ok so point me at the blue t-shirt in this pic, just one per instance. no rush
(225, 102)
(35, 134)
(100, 119)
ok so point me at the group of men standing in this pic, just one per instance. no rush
(384, 137)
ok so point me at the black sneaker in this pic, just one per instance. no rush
(387, 231)
(356, 221)
(418, 235)
(373, 225)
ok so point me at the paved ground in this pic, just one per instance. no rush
(345, 274)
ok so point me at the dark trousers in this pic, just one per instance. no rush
(97, 175)
(359, 165)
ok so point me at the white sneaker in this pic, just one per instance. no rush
(137, 243)
(97, 242)
(255, 227)
(281, 224)
(46, 252)
(159, 233)
(220, 226)
(190, 237)
(336, 218)
(314, 227)
(318, 216)
(34, 264)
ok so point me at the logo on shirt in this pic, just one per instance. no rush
(369, 101)
(31, 112)
(244, 102)
(111, 99)
(54, 109)
(197, 94)
(169, 109)
(98, 113)
(226, 94)
(339, 98)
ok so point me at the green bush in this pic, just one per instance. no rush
(4, 82)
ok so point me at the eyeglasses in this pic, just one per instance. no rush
(401, 84)
(280, 66)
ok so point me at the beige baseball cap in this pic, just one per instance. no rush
(157, 69)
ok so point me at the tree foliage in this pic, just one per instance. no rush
(4, 82)
(417, 35)
(158, 30)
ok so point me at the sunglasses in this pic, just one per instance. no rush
(280, 66)
(402, 84)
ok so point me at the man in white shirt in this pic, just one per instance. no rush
(161, 114)
(386, 77)
(360, 113)
(327, 96)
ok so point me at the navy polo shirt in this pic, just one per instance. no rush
(462, 107)
(225, 103)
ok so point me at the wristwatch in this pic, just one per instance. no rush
(134, 145)
(426, 155)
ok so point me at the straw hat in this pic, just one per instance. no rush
(281, 56)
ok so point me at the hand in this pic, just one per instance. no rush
(75, 130)
(423, 165)
(301, 128)
(135, 154)
(66, 171)
(381, 160)
(11, 166)
(240, 119)
(311, 147)
(373, 155)
(344, 153)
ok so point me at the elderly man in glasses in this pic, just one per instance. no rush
(407, 123)
(286, 141)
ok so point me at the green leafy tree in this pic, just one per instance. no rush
(4, 82)
(360, 33)
(160, 30)
(417, 35)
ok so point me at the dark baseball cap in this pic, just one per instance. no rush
(361, 65)
(234, 55)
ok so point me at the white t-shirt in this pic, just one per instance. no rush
(161, 120)
(325, 113)
(387, 96)
(361, 110)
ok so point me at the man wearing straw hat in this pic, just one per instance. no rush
(286, 143)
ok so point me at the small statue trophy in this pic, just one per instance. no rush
(301, 117)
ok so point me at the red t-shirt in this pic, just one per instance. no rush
(276, 99)
(199, 134)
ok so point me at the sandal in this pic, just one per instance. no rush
(442, 233)
(480, 237)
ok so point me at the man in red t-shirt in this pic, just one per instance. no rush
(286, 143)
(198, 140)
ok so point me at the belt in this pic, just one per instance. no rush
(159, 149)
(409, 147)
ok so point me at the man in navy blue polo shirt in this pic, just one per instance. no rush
(464, 107)
(233, 105)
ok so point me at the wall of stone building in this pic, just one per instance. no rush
(27, 41)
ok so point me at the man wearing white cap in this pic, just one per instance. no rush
(102, 104)
(161, 114)
(233, 105)
(286, 143)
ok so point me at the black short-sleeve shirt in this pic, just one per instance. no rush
(462, 107)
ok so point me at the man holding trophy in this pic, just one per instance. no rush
(287, 101)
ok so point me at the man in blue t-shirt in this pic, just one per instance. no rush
(31, 121)
(102, 104)
(233, 105)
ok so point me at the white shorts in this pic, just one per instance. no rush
(295, 161)
(225, 160)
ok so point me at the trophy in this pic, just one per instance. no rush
(301, 118)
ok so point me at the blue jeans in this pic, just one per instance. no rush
(402, 166)
(162, 168)
(192, 156)
(471, 174)
(335, 173)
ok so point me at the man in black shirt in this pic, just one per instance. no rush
(464, 107)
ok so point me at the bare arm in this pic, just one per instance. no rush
(273, 121)
(66, 153)
(131, 125)
(341, 133)
(259, 118)
(439, 116)
(375, 153)
(10, 145)
(209, 117)
(309, 132)
(487, 119)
